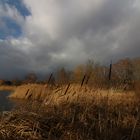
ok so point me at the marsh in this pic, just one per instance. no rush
(5, 103)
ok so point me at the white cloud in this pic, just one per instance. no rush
(11, 12)
(68, 32)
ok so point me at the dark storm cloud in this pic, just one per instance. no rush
(12, 62)
(66, 33)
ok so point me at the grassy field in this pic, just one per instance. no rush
(72, 113)
(7, 88)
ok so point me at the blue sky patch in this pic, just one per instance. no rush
(10, 28)
(19, 6)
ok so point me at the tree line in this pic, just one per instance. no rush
(122, 74)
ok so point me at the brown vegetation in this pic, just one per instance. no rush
(92, 102)
(30, 91)
(72, 113)
(7, 88)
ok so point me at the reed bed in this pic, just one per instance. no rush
(8, 88)
(72, 112)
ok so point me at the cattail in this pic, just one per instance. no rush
(29, 97)
(83, 80)
(87, 79)
(67, 89)
(110, 71)
(27, 92)
(50, 78)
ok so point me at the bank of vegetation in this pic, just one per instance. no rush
(81, 115)
(91, 102)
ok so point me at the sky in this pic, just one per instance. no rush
(42, 36)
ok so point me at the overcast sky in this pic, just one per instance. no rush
(41, 35)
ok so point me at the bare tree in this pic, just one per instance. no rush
(78, 73)
(30, 78)
(62, 76)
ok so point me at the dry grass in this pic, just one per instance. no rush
(78, 114)
(8, 88)
(30, 91)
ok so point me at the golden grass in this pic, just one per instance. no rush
(32, 91)
(58, 95)
(78, 114)
(7, 88)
